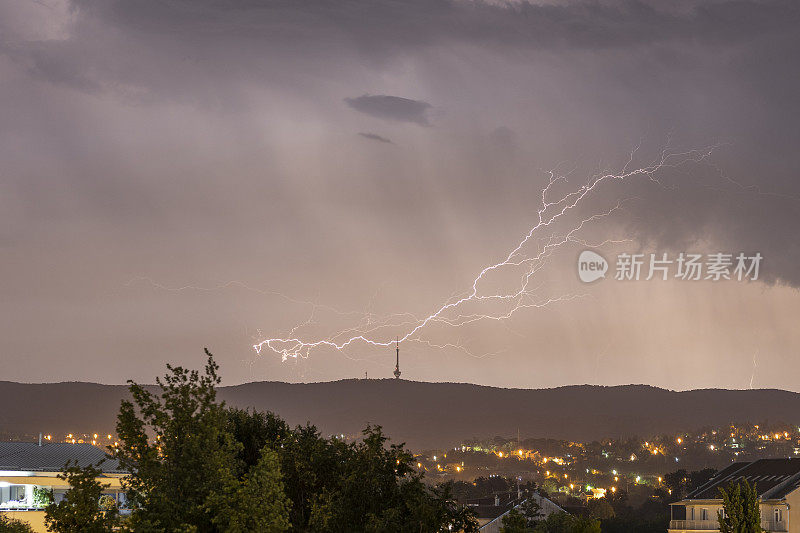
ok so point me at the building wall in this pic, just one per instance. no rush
(768, 515)
(696, 523)
(34, 518)
(793, 520)
(712, 510)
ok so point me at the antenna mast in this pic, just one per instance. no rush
(397, 365)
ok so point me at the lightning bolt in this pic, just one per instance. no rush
(452, 312)
(753, 374)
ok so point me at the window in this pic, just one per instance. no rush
(12, 496)
(722, 512)
(692, 518)
(704, 514)
(779, 515)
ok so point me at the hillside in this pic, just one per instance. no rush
(425, 415)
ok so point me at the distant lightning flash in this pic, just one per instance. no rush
(451, 313)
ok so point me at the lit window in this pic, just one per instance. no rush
(12, 496)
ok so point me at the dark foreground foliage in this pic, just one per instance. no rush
(198, 466)
(10, 525)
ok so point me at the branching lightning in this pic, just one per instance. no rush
(529, 256)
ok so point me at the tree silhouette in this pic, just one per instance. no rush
(741, 512)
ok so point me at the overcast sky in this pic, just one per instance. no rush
(186, 174)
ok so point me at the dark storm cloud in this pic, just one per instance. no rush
(391, 108)
(375, 24)
(197, 142)
(175, 41)
(375, 137)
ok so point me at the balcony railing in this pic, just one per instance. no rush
(713, 525)
(695, 525)
(774, 525)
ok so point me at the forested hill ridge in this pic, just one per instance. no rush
(424, 415)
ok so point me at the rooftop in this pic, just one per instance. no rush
(52, 456)
(773, 478)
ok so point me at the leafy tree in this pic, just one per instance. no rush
(254, 430)
(531, 510)
(740, 503)
(514, 522)
(450, 514)
(42, 497)
(681, 482)
(336, 486)
(198, 466)
(567, 523)
(651, 516)
(486, 486)
(586, 525)
(11, 525)
(312, 468)
(618, 500)
(522, 518)
(259, 503)
(377, 489)
(80, 510)
(464, 490)
(191, 475)
(600, 508)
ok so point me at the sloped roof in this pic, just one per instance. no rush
(52, 456)
(773, 478)
(504, 497)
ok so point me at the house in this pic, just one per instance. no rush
(27, 467)
(777, 483)
(490, 511)
(489, 508)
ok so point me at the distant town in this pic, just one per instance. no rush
(580, 469)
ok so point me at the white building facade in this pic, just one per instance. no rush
(777, 483)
